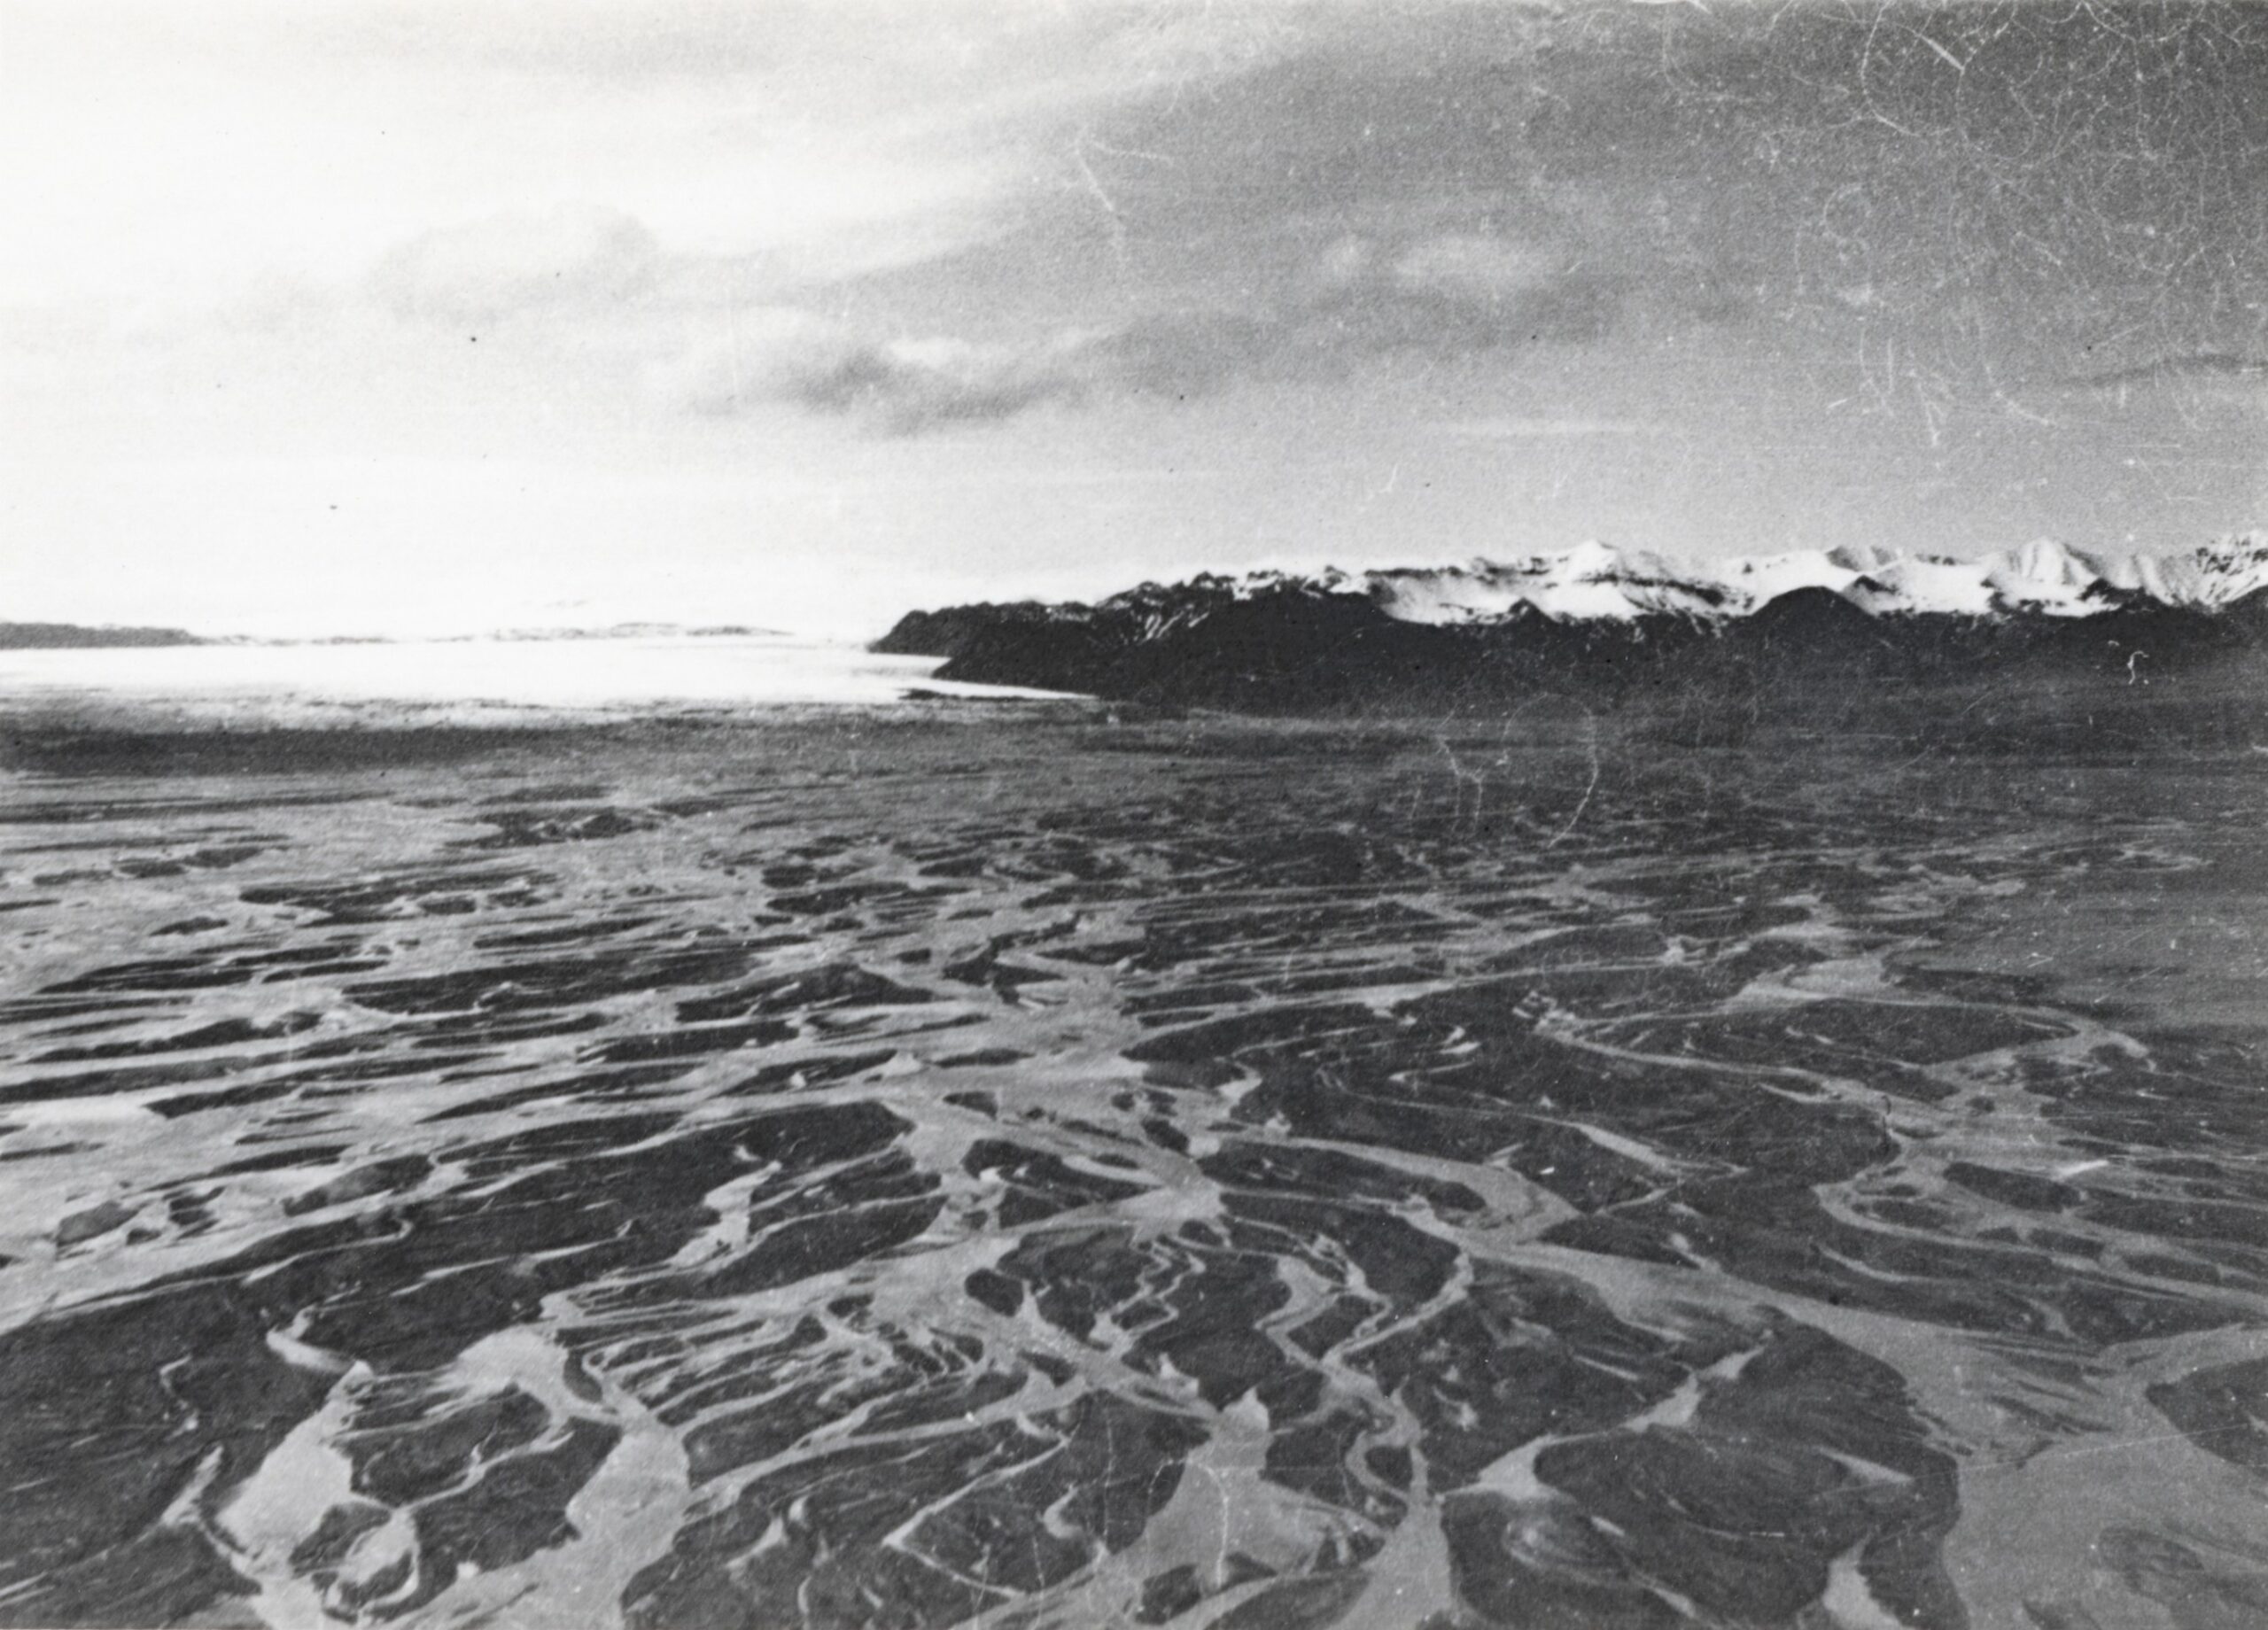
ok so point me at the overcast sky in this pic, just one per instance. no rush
(325, 317)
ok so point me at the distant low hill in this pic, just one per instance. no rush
(72, 636)
(633, 630)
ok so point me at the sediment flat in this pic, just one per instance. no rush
(918, 1167)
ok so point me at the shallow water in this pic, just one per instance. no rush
(469, 680)
(1029, 1172)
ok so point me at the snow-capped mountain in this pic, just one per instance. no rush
(1595, 581)
(2219, 574)
(1602, 623)
(1590, 581)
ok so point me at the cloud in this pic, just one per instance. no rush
(900, 386)
(911, 385)
(1436, 295)
(716, 336)
(1441, 295)
(1361, 298)
(513, 262)
(1479, 268)
(2200, 383)
(905, 387)
(1180, 353)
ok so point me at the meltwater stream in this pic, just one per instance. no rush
(880, 1171)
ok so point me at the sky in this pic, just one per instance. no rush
(343, 316)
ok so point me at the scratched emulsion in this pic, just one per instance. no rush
(1045, 1174)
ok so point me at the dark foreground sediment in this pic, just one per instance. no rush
(871, 1173)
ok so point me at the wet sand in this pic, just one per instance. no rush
(915, 1167)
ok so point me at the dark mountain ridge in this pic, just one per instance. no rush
(1333, 644)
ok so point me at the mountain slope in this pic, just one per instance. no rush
(1814, 633)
